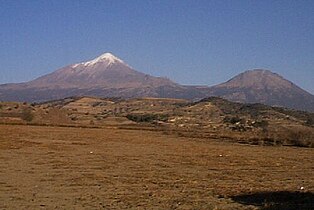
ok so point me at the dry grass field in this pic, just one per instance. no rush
(109, 168)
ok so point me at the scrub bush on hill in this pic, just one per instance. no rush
(147, 117)
(232, 119)
(27, 115)
(309, 122)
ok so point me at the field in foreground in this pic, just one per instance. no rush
(110, 168)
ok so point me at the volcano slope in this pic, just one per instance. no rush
(45, 167)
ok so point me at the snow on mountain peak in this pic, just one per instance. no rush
(107, 58)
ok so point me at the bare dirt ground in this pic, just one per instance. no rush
(85, 168)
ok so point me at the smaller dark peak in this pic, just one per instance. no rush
(258, 78)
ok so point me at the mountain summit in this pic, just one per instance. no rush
(106, 58)
(264, 86)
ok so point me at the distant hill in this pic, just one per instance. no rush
(109, 76)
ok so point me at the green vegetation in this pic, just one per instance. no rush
(232, 119)
(147, 117)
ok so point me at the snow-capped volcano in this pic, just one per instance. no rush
(106, 58)
(105, 76)
(105, 71)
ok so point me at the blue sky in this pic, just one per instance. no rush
(191, 42)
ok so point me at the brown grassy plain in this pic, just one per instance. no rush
(109, 168)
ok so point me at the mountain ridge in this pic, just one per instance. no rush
(109, 76)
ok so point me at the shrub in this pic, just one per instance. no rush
(232, 120)
(309, 122)
(96, 104)
(27, 115)
(261, 124)
(147, 117)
